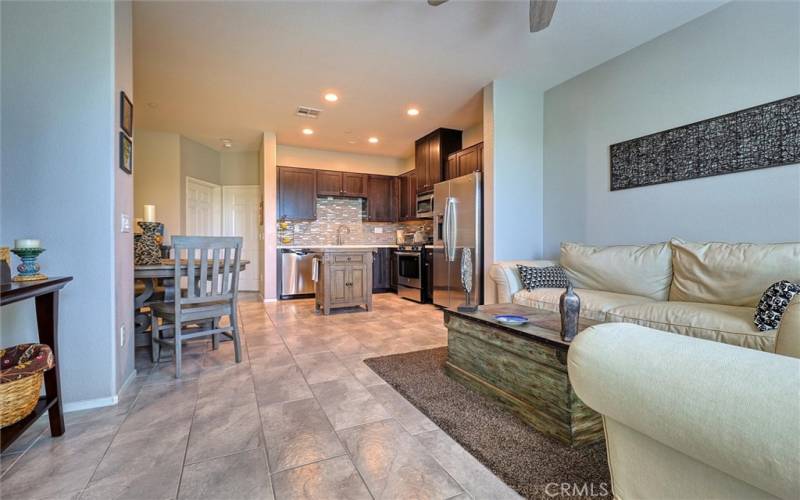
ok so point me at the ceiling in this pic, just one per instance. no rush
(213, 70)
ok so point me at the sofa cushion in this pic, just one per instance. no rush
(721, 323)
(594, 303)
(644, 270)
(734, 274)
(788, 341)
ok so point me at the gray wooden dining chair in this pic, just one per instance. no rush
(212, 289)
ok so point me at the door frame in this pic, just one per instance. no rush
(216, 204)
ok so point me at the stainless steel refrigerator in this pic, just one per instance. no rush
(457, 224)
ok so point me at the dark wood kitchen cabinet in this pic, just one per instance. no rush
(297, 193)
(393, 269)
(430, 156)
(407, 203)
(330, 183)
(381, 200)
(465, 161)
(382, 270)
(354, 184)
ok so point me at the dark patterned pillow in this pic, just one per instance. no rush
(773, 303)
(543, 277)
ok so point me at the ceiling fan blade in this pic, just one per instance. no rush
(436, 3)
(540, 14)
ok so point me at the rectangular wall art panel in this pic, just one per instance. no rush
(759, 137)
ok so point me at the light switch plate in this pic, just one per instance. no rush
(125, 223)
(378, 230)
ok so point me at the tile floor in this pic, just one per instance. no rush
(301, 417)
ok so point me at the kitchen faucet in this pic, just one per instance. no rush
(339, 233)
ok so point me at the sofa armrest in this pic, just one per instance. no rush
(506, 276)
(735, 409)
(787, 342)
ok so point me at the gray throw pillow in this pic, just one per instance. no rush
(543, 277)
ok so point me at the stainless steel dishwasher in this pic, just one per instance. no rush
(296, 269)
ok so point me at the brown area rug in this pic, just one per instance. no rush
(519, 455)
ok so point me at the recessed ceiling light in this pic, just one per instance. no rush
(373, 140)
(331, 97)
(412, 111)
(226, 142)
(308, 131)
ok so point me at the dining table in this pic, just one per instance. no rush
(153, 277)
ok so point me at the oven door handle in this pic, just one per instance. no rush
(408, 254)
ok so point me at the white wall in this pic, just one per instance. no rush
(157, 177)
(58, 176)
(740, 55)
(123, 197)
(293, 156)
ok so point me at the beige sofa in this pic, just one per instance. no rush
(680, 423)
(704, 290)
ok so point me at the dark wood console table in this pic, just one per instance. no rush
(45, 293)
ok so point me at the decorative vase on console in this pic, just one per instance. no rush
(570, 307)
(147, 247)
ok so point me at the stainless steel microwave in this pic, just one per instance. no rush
(425, 206)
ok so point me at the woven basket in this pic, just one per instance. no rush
(19, 398)
(21, 378)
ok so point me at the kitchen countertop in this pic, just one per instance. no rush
(353, 247)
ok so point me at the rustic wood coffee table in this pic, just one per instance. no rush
(522, 367)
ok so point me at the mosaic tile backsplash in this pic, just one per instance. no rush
(333, 212)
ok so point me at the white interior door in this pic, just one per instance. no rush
(240, 218)
(203, 212)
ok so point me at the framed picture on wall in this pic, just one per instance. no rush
(126, 114)
(125, 153)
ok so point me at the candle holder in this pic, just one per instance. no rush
(29, 269)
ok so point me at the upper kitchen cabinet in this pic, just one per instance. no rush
(297, 193)
(354, 184)
(330, 183)
(430, 156)
(381, 199)
(407, 187)
(465, 161)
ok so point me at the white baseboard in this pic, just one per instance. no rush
(89, 404)
(270, 300)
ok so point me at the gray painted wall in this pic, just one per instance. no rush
(58, 175)
(517, 170)
(200, 162)
(239, 168)
(123, 199)
(740, 55)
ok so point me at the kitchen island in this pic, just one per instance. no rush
(343, 277)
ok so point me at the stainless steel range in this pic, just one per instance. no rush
(412, 272)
